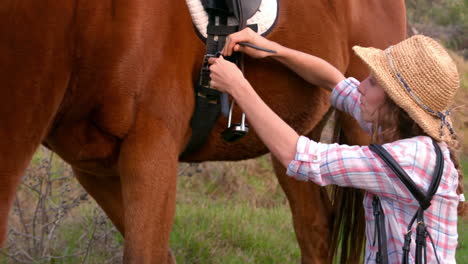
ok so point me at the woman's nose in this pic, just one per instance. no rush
(361, 89)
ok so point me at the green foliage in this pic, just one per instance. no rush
(446, 20)
(441, 12)
(462, 250)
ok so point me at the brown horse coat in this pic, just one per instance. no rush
(108, 86)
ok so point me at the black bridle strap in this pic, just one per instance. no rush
(379, 216)
(423, 199)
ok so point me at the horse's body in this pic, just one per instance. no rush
(108, 86)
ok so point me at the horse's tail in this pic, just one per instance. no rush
(348, 227)
(348, 230)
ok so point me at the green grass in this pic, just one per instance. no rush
(462, 251)
(218, 232)
(233, 213)
(228, 213)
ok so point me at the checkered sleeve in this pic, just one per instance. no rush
(346, 97)
(352, 166)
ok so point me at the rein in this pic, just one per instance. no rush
(424, 202)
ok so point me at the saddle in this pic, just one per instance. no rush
(209, 102)
(241, 9)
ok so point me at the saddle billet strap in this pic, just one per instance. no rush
(215, 42)
(423, 199)
(217, 31)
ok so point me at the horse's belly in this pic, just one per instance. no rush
(85, 146)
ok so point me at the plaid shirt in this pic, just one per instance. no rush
(359, 167)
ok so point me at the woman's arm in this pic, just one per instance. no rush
(278, 136)
(305, 159)
(311, 68)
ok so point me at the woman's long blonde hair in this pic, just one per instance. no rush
(396, 124)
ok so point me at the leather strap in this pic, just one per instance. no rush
(379, 216)
(423, 199)
(209, 103)
(207, 99)
(424, 202)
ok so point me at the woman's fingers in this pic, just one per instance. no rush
(223, 74)
(213, 84)
(233, 39)
(226, 50)
(227, 47)
(213, 60)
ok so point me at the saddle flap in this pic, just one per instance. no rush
(243, 9)
(218, 5)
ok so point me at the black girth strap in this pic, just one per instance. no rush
(207, 99)
(424, 202)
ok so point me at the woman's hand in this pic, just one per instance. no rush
(225, 75)
(250, 36)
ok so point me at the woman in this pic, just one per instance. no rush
(404, 105)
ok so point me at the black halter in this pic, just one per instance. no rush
(424, 202)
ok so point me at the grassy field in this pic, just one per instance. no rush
(462, 251)
(236, 230)
(226, 213)
(236, 215)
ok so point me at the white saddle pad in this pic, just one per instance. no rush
(265, 17)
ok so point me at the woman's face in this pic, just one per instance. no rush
(372, 99)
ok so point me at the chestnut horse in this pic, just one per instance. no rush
(108, 86)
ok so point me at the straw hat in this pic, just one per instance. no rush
(420, 77)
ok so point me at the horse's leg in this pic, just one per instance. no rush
(148, 168)
(25, 116)
(107, 191)
(15, 155)
(34, 74)
(23, 126)
(311, 211)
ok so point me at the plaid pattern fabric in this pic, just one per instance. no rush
(359, 167)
